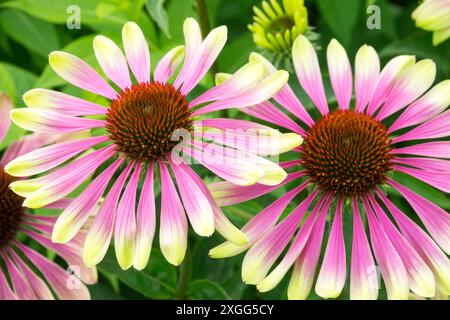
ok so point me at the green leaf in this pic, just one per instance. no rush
(34, 34)
(157, 281)
(6, 82)
(23, 81)
(156, 10)
(340, 16)
(206, 290)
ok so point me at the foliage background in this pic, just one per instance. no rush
(30, 29)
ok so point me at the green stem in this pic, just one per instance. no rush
(205, 26)
(183, 280)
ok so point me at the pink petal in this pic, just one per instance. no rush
(340, 73)
(173, 222)
(437, 179)
(363, 273)
(435, 219)
(137, 52)
(421, 279)
(80, 74)
(391, 266)
(100, 233)
(146, 221)
(331, 279)
(168, 64)
(5, 122)
(367, 70)
(125, 226)
(437, 149)
(308, 72)
(425, 164)
(435, 128)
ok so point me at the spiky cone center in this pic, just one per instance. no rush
(347, 152)
(11, 210)
(143, 121)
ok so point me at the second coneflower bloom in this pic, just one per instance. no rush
(347, 163)
(142, 127)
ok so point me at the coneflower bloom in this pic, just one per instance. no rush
(434, 15)
(346, 162)
(142, 127)
(275, 27)
(26, 273)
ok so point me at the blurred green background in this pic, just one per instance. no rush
(30, 29)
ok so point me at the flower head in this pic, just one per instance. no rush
(347, 163)
(18, 278)
(276, 26)
(147, 123)
(434, 15)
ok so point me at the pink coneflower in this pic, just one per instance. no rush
(139, 128)
(346, 163)
(24, 272)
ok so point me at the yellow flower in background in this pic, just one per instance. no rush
(434, 15)
(276, 26)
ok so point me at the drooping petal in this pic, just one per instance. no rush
(331, 278)
(146, 221)
(297, 246)
(66, 286)
(100, 233)
(427, 107)
(305, 267)
(391, 266)
(47, 158)
(168, 64)
(435, 128)
(62, 103)
(5, 108)
(112, 61)
(86, 204)
(367, 70)
(80, 74)
(20, 285)
(435, 219)
(263, 254)
(363, 273)
(125, 225)
(173, 222)
(308, 72)
(421, 279)
(48, 121)
(258, 225)
(6, 293)
(196, 204)
(422, 242)
(340, 73)
(137, 52)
